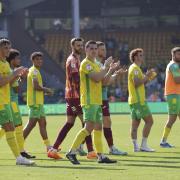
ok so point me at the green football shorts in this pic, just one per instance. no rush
(92, 113)
(173, 102)
(5, 114)
(139, 111)
(17, 119)
(36, 111)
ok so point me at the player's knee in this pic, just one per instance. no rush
(32, 122)
(169, 124)
(42, 124)
(106, 122)
(151, 122)
(171, 119)
(89, 126)
(107, 125)
(134, 129)
(8, 127)
(71, 124)
(31, 125)
(98, 126)
(70, 119)
(89, 129)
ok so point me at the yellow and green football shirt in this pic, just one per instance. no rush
(90, 91)
(5, 71)
(34, 97)
(14, 95)
(136, 95)
(104, 88)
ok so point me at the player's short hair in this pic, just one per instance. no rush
(12, 55)
(134, 53)
(4, 41)
(100, 43)
(36, 54)
(73, 40)
(89, 43)
(174, 50)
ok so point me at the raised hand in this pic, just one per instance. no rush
(121, 70)
(151, 74)
(49, 92)
(148, 73)
(108, 62)
(25, 72)
(114, 66)
(18, 71)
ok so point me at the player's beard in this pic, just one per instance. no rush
(102, 58)
(177, 60)
(78, 51)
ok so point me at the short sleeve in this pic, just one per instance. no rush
(175, 70)
(15, 84)
(34, 74)
(99, 64)
(72, 66)
(135, 73)
(86, 68)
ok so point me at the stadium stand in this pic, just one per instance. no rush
(156, 45)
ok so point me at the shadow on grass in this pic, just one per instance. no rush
(81, 167)
(55, 160)
(159, 152)
(171, 152)
(64, 159)
(152, 166)
(129, 160)
(52, 160)
(165, 157)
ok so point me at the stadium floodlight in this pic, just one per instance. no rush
(0, 7)
(76, 18)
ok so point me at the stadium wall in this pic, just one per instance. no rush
(115, 108)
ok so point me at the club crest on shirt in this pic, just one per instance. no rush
(88, 67)
(136, 72)
(73, 65)
(35, 72)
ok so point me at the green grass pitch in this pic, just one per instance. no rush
(163, 164)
